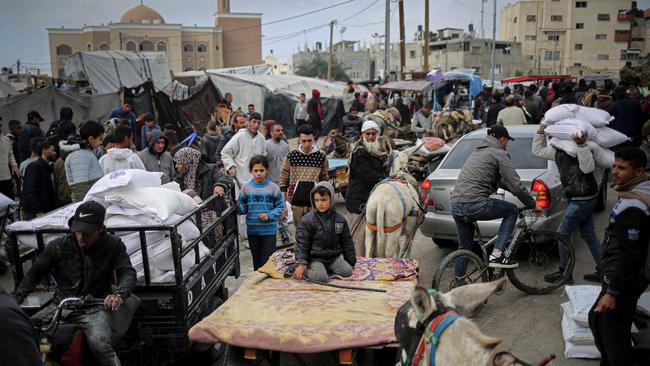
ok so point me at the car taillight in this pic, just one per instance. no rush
(543, 196)
(424, 192)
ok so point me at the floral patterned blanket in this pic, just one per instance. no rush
(275, 313)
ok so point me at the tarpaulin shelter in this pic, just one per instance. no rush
(48, 102)
(275, 96)
(108, 71)
(187, 82)
(409, 85)
(6, 89)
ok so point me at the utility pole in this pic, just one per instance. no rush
(387, 41)
(18, 69)
(425, 48)
(554, 58)
(402, 39)
(494, 39)
(330, 57)
(482, 14)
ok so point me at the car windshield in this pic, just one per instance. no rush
(519, 150)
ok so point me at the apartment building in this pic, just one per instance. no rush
(575, 37)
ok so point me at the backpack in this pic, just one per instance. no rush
(646, 200)
(55, 134)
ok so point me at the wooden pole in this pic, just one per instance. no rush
(330, 58)
(425, 48)
(402, 38)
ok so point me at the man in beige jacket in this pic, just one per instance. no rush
(511, 115)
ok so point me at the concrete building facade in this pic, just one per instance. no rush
(356, 61)
(575, 37)
(235, 40)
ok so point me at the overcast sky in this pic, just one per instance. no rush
(23, 22)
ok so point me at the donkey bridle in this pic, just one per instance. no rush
(426, 331)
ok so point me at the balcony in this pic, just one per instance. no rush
(622, 36)
(625, 16)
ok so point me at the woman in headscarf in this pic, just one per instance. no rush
(195, 175)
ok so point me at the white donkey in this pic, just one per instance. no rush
(434, 317)
(391, 211)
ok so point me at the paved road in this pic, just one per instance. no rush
(529, 325)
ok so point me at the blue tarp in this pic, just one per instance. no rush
(475, 82)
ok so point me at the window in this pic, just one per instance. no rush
(554, 37)
(520, 152)
(580, 25)
(577, 64)
(188, 48)
(497, 69)
(63, 50)
(104, 47)
(581, 4)
(551, 55)
(603, 56)
(162, 46)
(556, 18)
(531, 18)
(202, 48)
(603, 16)
(530, 57)
(146, 46)
(514, 20)
(531, 38)
(89, 47)
(189, 69)
(476, 50)
(578, 47)
(601, 36)
(412, 54)
(130, 46)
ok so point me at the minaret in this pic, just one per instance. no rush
(223, 6)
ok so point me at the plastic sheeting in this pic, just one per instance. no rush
(6, 90)
(108, 71)
(48, 102)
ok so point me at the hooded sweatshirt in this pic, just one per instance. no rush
(154, 162)
(324, 236)
(64, 123)
(488, 168)
(119, 159)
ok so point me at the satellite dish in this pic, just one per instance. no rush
(343, 29)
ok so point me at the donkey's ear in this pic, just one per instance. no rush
(421, 301)
(467, 298)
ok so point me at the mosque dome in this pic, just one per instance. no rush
(142, 14)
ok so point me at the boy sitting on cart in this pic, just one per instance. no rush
(324, 244)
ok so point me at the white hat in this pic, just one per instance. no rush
(368, 125)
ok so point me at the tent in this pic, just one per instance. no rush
(409, 85)
(108, 71)
(48, 102)
(6, 89)
(275, 96)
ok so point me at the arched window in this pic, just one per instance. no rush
(162, 46)
(189, 69)
(63, 50)
(146, 46)
(188, 48)
(130, 46)
(104, 47)
(89, 47)
(202, 48)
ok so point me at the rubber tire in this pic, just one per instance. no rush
(445, 243)
(512, 275)
(448, 261)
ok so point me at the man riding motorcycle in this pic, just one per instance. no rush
(82, 264)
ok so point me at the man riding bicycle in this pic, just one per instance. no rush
(488, 168)
(82, 264)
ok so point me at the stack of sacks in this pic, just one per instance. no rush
(56, 220)
(566, 120)
(135, 197)
(132, 198)
(578, 338)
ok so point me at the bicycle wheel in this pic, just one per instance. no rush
(537, 254)
(477, 271)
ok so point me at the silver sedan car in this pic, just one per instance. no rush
(540, 175)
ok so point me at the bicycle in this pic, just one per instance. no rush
(535, 250)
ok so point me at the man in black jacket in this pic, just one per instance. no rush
(38, 189)
(368, 166)
(82, 264)
(19, 346)
(625, 263)
(493, 111)
(323, 242)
